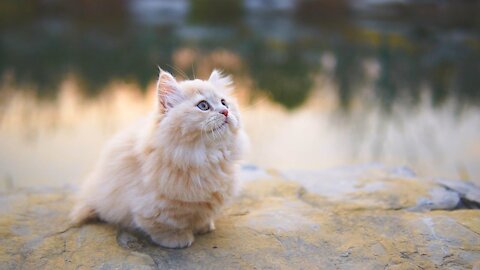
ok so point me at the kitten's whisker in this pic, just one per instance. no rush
(200, 183)
(214, 134)
(202, 130)
(218, 133)
(211, 121)
(204, 126)
(180, 72)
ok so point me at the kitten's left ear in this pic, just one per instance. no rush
(168, 91)
(218, 79)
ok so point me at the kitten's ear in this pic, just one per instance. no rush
(168, 91)
(217, 78)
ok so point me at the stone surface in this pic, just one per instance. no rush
(367, 217)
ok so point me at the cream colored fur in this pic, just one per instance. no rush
(170, 174)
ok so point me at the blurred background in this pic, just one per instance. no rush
(321, 83)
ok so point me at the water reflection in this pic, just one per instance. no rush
(322, 83)
(56, 143)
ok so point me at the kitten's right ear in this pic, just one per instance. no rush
(168, 91)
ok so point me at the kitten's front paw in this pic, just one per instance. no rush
(206, 228)
(181, 239)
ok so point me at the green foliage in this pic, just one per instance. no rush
(216, 11)
(285, 78)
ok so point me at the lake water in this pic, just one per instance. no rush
(315, 92)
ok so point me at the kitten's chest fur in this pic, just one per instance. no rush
(190, 174)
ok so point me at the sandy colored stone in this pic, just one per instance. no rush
(381, 219)
(34, 234)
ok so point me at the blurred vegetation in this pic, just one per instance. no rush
(286, 79)
(216, 11)
(100, 41)
(322, 10)
(15, 12)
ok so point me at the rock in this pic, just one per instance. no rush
(468, 192)
(377, 187)
(366, 217)
(439, 198)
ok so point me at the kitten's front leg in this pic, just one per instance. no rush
(164, 235)
(205, 228)
(173, 238)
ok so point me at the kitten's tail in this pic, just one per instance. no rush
(82, 213)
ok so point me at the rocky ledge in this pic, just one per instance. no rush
(368, 217)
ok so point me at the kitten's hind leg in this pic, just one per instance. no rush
(205, 228)
(82, 213)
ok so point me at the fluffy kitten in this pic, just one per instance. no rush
(170, 174)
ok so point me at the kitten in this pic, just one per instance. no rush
(170, 174)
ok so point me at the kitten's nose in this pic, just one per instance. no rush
(224, 112)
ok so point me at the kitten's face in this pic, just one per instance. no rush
(198, 110)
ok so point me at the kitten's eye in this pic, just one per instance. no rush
(224, 103)
(203, 105)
